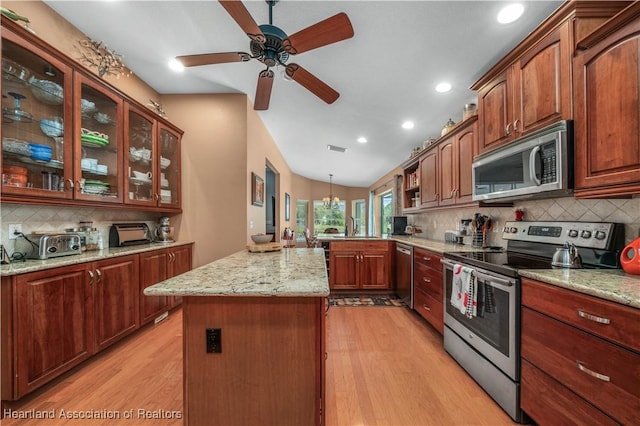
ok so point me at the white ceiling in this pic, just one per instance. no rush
(385, 74)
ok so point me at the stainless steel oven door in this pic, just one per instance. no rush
(494, 332)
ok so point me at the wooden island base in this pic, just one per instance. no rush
(271, 368)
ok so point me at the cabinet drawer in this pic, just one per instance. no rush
(429, 309)
(427, 258)
(359, 245)
(574, 358)
(548, 402)
(428, 280)
(619, 323)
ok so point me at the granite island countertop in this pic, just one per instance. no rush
(34, 265)
(295, 272)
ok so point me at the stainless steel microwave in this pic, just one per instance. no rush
(537, 165)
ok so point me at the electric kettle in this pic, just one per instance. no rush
(567, 256)
(630, 257)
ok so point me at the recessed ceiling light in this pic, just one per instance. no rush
(443, 87)
(407, 125)
(176, 65)
(510, 13)
(362, 139)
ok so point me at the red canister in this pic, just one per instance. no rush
(630, 257)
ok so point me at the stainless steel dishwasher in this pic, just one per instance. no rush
(404, 273)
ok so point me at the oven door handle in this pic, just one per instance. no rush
(493, 281)
(498, 282)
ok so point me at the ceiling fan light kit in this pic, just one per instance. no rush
(272, 46)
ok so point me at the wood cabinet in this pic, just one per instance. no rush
(360, 265)
(587, 349)
(82, 152)
(531, 93)
(607, 118)
(115, 299)
(429, 179)
(411, 185)
(428, 287)
(156, 266)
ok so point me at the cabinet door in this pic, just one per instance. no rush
(374, 270)
(447, 177)
(36, 122)
(153, 269)
(98, 134)
(429, 179)
(542, 82)
(116, 299)
(53, 326)
(169, 194)
(494, 113)
(344, 272)
(180, 261)
(607, 119)
(465, 151)
(141, 157)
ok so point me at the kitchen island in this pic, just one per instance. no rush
(254, 336)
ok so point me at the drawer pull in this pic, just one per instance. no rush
(426, 307)
(426, 280)
(426, 258)
(594, 318)
(592, 373)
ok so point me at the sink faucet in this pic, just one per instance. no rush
(354, 229)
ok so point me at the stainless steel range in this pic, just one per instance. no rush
(484, 334)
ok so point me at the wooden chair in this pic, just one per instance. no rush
(312, 241)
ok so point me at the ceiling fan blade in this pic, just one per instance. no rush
(263, 91)
(213, 58)
(331, 30)
(243, 18)
(312, 83)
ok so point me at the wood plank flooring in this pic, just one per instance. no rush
(385, 367)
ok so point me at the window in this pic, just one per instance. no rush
(359, 211)
(324, 218)
(302, 214)
(386, 212)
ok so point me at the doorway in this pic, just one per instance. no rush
(271, 201)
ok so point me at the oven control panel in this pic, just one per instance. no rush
(583, 234)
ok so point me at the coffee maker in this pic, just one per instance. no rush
(163, 230)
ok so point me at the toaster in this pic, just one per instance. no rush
(47, 246)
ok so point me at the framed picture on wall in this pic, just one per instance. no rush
(257, 190)
(287, 207)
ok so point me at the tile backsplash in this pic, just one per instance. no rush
(627, 211)
(56, 219)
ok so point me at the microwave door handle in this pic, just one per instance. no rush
(532, 165)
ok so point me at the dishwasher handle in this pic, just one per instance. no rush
(403, 250)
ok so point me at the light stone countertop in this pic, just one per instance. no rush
(34, 265)
(299, 272)
(613, 285)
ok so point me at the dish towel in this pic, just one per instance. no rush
(463, 290)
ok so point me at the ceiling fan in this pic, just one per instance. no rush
(271, 46)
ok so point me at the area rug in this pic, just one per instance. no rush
(365, 300)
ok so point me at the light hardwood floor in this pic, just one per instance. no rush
(385, 367)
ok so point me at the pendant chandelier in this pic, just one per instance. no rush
(331, 202)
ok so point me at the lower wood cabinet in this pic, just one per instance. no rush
(428, 287)
(360, 265)
(158, 266)
(577, 365)
(54, 319)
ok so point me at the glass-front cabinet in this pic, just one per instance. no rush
(98, 165)
(169, 146)
(36, 122)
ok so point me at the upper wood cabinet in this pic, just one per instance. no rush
(607, 119)
(533, 92)
(67, 135)
(429, 179)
